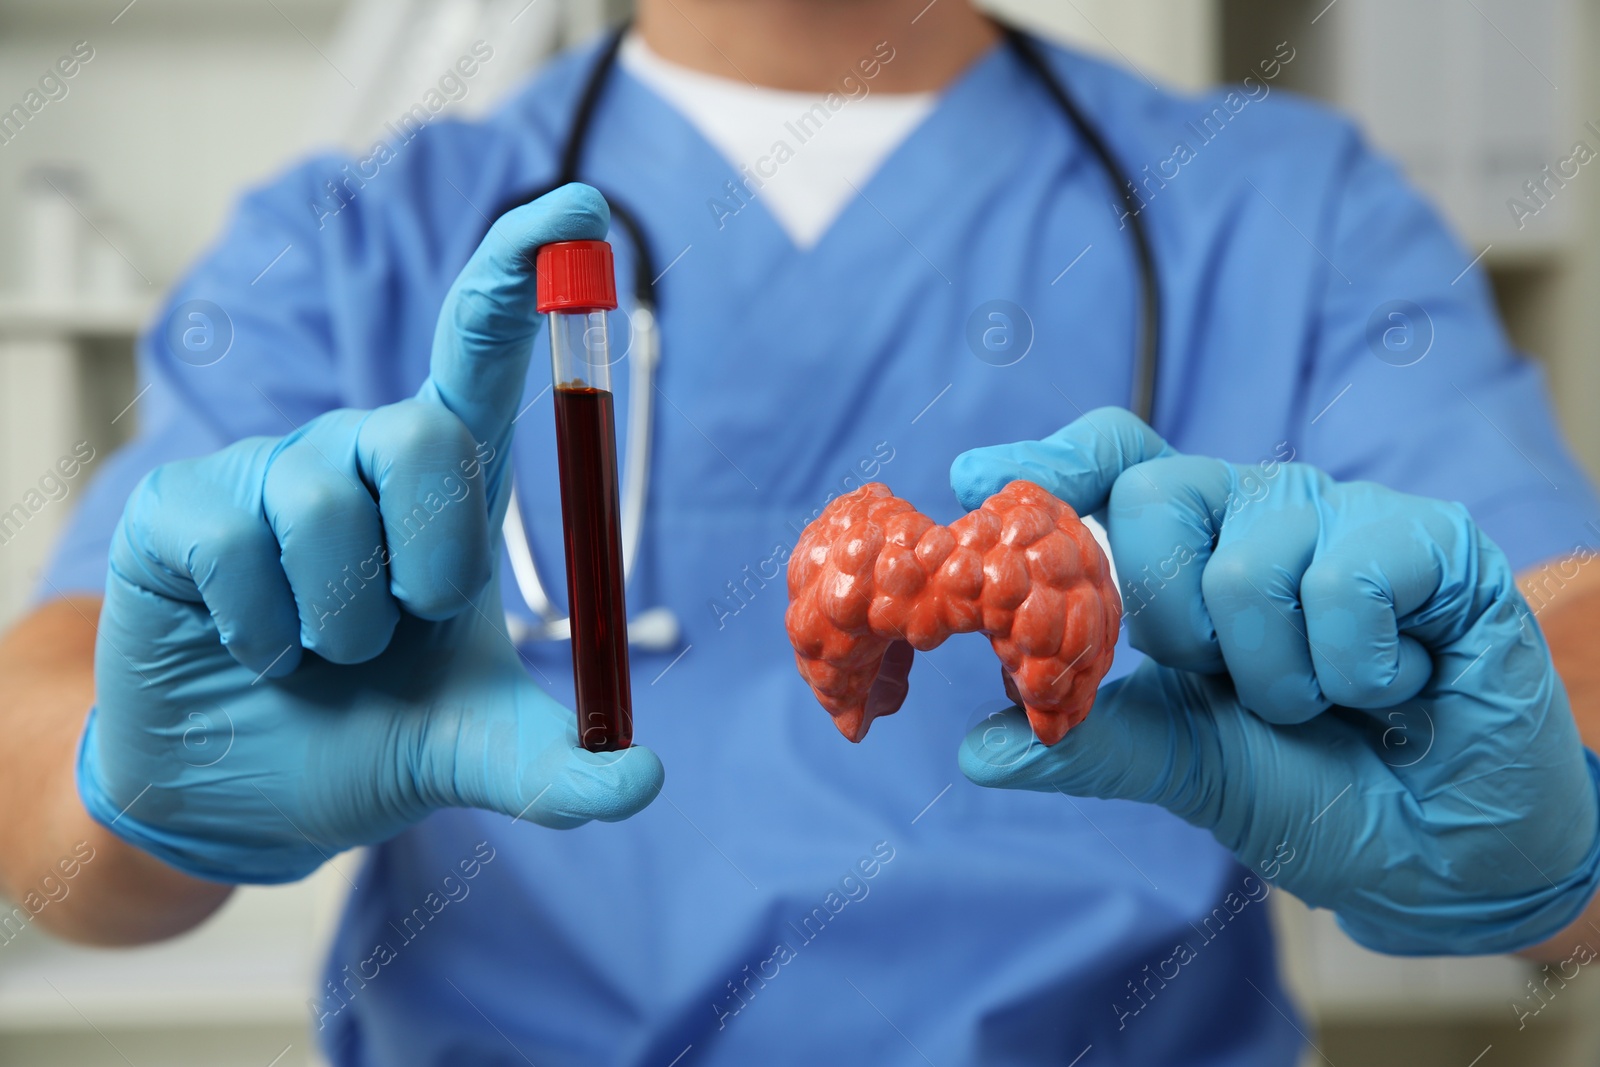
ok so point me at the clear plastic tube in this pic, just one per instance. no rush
(586, 446)
(580, 350)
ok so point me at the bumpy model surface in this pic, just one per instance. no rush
(873, 579)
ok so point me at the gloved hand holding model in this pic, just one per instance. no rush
(301, 648)
(1339, 675)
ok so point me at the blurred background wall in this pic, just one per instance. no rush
(114, 186)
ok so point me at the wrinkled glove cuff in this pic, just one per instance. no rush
(210, 861)
(1493, 927)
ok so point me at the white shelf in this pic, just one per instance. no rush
(23, 315)
(74, 317)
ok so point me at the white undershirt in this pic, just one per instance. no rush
(802, 158)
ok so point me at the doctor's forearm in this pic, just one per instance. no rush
(1566, 600)
(58, 867)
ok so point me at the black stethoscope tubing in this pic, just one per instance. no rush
(1148, 354)
(658, 629)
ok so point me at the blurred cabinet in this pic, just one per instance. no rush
(1477, 99)
(62, 364)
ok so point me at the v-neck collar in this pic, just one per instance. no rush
(658, 124)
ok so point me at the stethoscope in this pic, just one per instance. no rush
(657, 629)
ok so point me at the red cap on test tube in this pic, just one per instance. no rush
(576, 276)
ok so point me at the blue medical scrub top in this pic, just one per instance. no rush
(792, 898)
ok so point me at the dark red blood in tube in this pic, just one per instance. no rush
(586, 445)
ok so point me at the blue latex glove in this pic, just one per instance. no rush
(301, 647)
(1343, 685)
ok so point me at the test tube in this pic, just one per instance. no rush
(576, 287)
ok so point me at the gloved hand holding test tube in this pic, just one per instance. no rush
(241, 731)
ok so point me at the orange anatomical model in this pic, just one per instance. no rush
(873, 579)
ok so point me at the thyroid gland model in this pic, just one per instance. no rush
(872, 580)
